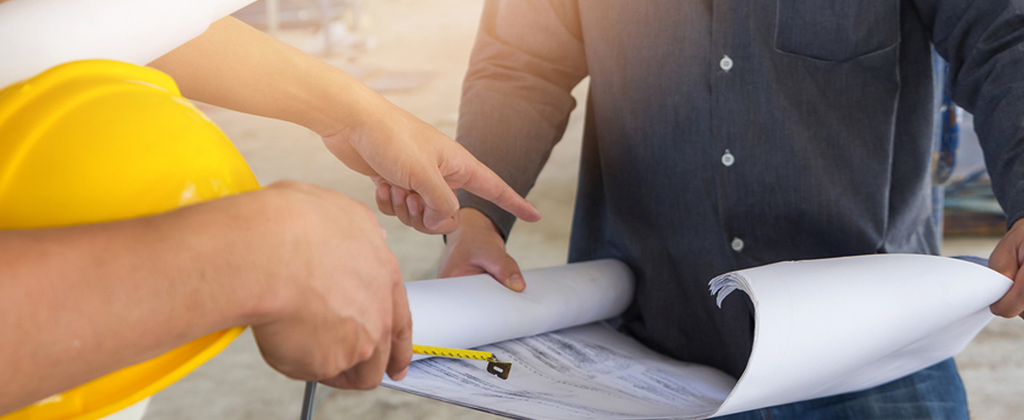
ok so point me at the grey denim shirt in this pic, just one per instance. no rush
(728, 134)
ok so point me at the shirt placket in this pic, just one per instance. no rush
(725, 64)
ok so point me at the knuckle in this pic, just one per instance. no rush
(294, 372)
(404, 326)
(386, 328)
(404, 329)
(312, 368)
(364, 351)
(325, 371)
(328, 365)
(509, 264)
(366, 383)
(394, 273)
(1004, 309)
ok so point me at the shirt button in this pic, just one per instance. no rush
(737, 244)
(728, 159)
(725, 63)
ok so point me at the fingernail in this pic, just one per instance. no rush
(515, 282)
(383, 193)
(401, 375)
(536, 213)
(431, 222)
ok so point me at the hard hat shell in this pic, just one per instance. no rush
(98, 141)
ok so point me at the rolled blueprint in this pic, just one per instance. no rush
(38, 34)
(468, 312)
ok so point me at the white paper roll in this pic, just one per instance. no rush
(467, 312)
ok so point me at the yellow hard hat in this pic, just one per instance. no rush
(98, 141)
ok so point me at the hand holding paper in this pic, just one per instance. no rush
(476, 247)
(1008, 259)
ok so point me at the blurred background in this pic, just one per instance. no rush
(415, 53)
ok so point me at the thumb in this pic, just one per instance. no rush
(440, 200)
(1012, 303)
(1004, 259)
(504, 269)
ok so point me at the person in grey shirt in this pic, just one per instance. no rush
(724, 134)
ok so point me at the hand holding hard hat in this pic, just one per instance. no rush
(102, 269)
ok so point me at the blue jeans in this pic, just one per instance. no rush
(932, 393)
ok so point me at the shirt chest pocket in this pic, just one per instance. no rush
(836, 30)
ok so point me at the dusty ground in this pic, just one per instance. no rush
(418, 56)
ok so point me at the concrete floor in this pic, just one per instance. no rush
(420, 54)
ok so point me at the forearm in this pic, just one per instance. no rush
(516, 98)
(81, 302)
(983, 42)
(234, 66)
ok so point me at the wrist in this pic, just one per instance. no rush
(263, 275)
(233, 269)
(339, 103)
(474, 223)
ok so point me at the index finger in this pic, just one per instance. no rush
(482, 181)
(1012, 303)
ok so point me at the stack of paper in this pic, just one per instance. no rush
(822, 327)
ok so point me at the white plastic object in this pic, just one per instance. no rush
(38, 34)
(133, 412)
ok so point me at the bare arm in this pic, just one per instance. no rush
(81, 302)
(235, 66)
(238, 67)
(80, 294)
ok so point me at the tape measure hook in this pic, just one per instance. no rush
(499, 368)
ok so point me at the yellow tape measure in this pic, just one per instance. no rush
(494, 366)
